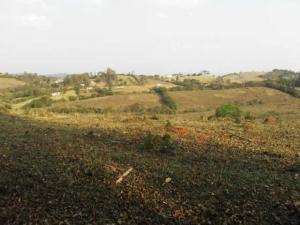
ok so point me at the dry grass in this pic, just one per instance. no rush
(203, 78)
(244, 77)
(143, 88)
(118, 101)
(10, 83)
(62, 169)
(195, 100)
(188, 100)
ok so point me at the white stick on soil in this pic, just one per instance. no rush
(121, 178)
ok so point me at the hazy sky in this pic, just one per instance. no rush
(149, 36)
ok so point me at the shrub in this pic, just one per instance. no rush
(254, 102)
(72, 98)
(84, 97)
(3, 109)
(248, 116)
(30, 91)
(7, 106)
(284, 87)
(167, 145)
(168, 125)
(273, 114)
(39, 103)
(104, 91)
(166, 99)
(229, 110)
(77, 89)
(187, 84)
(156, 143)
(154, 117)
(70, 110)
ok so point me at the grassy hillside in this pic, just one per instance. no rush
(190, 100)
(281, 74)
(244, 77)
(203, 78)
(9, 83)
(213, 98)
(189, 167)
(63, 169)
(149, 84)
(116, 101)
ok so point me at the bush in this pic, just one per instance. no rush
(254, 102)
(3, 109)
(70, 110)
(104, 92)
(187, 84)
(166, 99)
(39, 103)
(30, 91)
(248, 116)
(154, 117)
(168, 125)
(156, 143)
(229, 110)
(72, 98)
(268, 114)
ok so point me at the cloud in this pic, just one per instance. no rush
(32, 5)
(183, 4)
(35, 21)
(162, 15)
(33, 13)
(96, 2)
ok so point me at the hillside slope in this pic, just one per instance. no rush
(9, 83)
(213, 98)
(244, 77)
(189, 100)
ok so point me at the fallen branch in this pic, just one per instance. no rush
(121, 178)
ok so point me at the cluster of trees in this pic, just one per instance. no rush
(188, 84)
(204, 72)
(109, 77)
(165, 98)
(77, 79)
(35, 86)
(284, 80)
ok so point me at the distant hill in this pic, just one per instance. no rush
(205, 78)
(278, 74)
(187, 100)
(6, 82)
(244, 77)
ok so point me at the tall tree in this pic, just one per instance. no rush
(109, 76)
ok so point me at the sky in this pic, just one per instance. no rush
(149, 36)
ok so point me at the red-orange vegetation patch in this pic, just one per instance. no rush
(179, 131)
(271, 120)
(203, 138)
(178, 214)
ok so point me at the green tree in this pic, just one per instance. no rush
(109, 77)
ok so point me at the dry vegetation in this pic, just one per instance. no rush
(188, 100)
(117, 101)
(187, 168)
(9, 83)
(244, 77)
